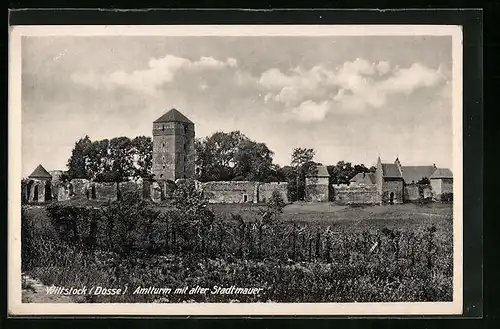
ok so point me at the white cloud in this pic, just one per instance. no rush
(232, 62)
(310, 111)
(273, 79)
(159, 71)
(409, 79)
(383, 67)
(209, 63)
(353, 86)
(359, 66)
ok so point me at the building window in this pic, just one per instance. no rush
(163, 127)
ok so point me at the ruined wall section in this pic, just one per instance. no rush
(265, 191)
(103, 191)
(230, 192)
(134, 188)
(411, 193)
(80, 188)
(359, 194)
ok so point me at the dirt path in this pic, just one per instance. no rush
(33, 291)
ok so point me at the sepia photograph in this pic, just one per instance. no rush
(235, 170)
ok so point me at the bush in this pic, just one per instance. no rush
(447, 197)
(276, 203)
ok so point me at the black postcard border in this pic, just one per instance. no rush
(472, 22)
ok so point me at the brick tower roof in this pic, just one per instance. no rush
(40, 172)
(173, 116)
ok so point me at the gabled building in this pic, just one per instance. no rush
(397, 183)
(38, 187)
(390, 182)
(441, 182)
(317, 184)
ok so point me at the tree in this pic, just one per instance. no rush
(300, 156)
(424, 181)
(142, 150)
(342, 172)
(197, 218)
(229, 156)
(78, 162)
(254, 161)
(215, 155)
(289, 175)
(115, 160)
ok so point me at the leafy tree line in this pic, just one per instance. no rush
(111, 160)
(342, 172)
(219, 157)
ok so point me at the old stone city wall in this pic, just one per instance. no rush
(265, 191)
(411, 193)
(243, 191)
(359, 194)
(217, 192)
(230, 192)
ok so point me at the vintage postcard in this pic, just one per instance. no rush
(235, 170)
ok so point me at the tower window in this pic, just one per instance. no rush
(163, 127)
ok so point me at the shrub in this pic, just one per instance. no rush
(276, 203)
(447, 197)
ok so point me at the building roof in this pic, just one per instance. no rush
(173, 116)
(390, 170)
(363, 178)
(442, 173)
(416, 173)
(320, 171)
(40, 172)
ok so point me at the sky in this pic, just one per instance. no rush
(351, 98)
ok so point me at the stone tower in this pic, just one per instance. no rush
(173, 146)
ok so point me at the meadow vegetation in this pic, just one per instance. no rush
(296, 253)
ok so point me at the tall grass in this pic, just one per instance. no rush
(132, 244)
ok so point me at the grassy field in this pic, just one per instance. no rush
(407, 216)
(420, 269)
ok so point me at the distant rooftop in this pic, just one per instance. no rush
(40, 172)
(416, 173)
(442, 173)
(320, 171)
(363, 178)
(173, 116)
(390, 170)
